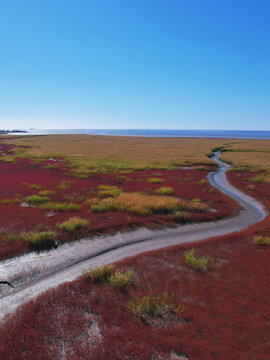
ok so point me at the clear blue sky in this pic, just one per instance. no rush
(175, 64)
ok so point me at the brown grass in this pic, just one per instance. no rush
(145, 204)
(141, 151)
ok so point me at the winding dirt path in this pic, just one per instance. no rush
(32, 274)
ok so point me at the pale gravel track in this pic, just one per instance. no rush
(50, 269)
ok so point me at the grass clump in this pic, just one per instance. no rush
(142, 204)
(261, 179)
(15, 200)
(100, 274)
(105, 191)
(155, 180)
(46, 192)
(109, 274)
(35, 186)
(40, 240)
(36, 199)
(196, 263)
(61, 207)
(104, 205)
(160, 306)
(165, 190)
(262, 240)
(73, 223)
(122, 279)
(64, 185)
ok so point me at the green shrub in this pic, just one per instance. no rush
(122, 279)
(196, 263)
(36, 199)
(40, 240)
(165, 190)
(196, 200)
(73, 223)
(100, 274)
(262, 240)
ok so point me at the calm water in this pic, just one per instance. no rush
(233, 134)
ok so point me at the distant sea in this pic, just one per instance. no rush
(231, 134)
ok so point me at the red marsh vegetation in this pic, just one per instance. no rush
(38, 196)
(202, 301)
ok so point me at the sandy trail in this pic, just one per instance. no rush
(33, 273)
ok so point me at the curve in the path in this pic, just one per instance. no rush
(50, 269)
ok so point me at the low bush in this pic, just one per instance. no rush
(74, 223)
(40, 240)
(165, 190)
(36, 199)
(155, 180)
(54, 206)
(262, 240)
(100, 274)
(197, 263)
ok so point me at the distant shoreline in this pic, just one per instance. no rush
(230, 134)
(12, 131)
